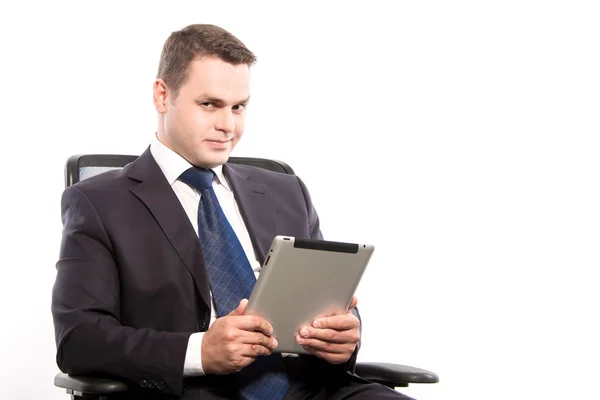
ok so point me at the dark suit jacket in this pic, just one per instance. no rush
(131, 285)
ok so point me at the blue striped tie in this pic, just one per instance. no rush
(231, 279)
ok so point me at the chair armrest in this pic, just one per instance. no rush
(83, 384)
(394, 375)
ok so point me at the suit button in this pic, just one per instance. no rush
(201, 326)
(160, 385)
(151, 385)
(144, 383)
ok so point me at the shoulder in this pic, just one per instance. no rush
(277, 182)
(107, 185)
(261, 174)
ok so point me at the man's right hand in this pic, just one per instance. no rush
(234, 341)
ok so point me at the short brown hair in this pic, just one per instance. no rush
(194, 42)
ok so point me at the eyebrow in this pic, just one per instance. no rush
(205, 98)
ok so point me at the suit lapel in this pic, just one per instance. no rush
(256, 206)
(155, 192)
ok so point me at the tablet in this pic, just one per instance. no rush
(303, 279)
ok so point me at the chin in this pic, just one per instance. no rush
(212, 160)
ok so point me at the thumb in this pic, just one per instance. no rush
(353, 303)
(240, 308)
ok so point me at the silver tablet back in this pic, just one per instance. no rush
(303, 279)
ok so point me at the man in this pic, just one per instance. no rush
(135, 296)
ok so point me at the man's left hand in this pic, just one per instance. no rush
(332, 338)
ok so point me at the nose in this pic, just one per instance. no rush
(225, 122)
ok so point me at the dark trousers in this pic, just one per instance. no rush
(305, 383)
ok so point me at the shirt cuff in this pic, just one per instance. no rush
(193, 356)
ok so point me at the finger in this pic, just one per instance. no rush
(242, 305)
(330, 335)
(239, 310)
(255, 350)
(254, 323)
(258, 338)
(328, 347)
(330, 357)
(338, 322)
(353, 303)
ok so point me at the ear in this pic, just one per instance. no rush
(160, 92)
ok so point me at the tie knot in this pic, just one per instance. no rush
(198, 178)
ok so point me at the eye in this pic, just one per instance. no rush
(207, 104)
(239, 107)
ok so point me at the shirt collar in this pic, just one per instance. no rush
(173, 165)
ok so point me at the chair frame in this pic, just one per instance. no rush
(76, 162)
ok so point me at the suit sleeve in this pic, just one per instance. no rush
(313, 219)
(86, 310)
(315, 233)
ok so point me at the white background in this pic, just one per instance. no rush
(458, 137)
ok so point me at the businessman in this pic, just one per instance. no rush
(157, 259)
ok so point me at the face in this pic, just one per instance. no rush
(204, 122)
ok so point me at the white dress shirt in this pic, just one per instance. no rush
(172, 166)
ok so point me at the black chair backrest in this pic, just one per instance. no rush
(82, 166)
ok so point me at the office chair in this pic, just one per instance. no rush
(80, 167)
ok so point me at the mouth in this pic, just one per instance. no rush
(218, 144)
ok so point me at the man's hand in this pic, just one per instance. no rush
(234, 341)
(332, 338)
